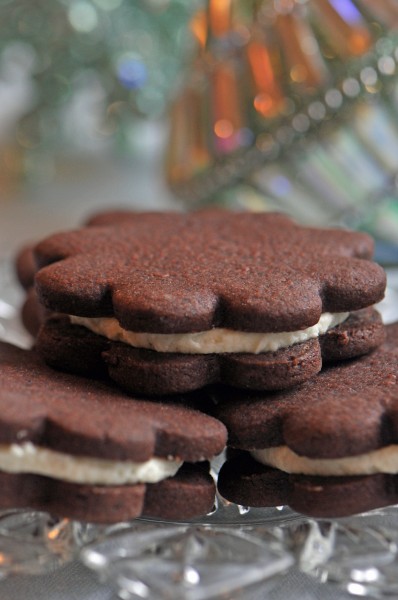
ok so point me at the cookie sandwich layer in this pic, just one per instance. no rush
(213, 341)
(382, 460)
(79, 448)
(169, 303)
(29, 458)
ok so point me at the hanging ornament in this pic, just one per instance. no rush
(293, 105)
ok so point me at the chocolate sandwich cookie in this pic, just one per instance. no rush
(327, 448)
(186, 300)
(81, 449)
(25, 266)
(33, 313)
(25, 262)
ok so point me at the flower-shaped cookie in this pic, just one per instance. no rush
(82, 449)
(335, 438)
(169, 287)
(33, 314)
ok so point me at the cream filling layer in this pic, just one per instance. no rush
(28, 458)
(213, 341)
(382, 460)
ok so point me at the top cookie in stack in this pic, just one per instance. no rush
(32, 312)
(168, 302)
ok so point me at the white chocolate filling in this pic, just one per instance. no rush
(382, 460)
(214, 341)
(28, 458)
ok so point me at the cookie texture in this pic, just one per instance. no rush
(86, 418)
(25, 266)
(245, 481)
(184, 273)
(33, 313)
(178, 273)
(76, 349)
(348, 410)
(190, 493)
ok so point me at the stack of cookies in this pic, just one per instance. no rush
(271, 320)
(81, 449)
(327, 448)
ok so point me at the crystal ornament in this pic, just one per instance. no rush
(292, 105)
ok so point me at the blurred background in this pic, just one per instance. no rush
(261, 104)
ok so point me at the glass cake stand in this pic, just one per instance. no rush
(232, 550)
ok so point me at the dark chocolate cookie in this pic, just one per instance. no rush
(328, 447)
(245, 481)
(76, 349)
(33, 314)
(216, 275)
(25, 267)
(182, 273)
(73, 446)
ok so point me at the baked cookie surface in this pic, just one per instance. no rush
(205, 292)
(33, 313)
(85, 450)
(327, 448)
(182, 273)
